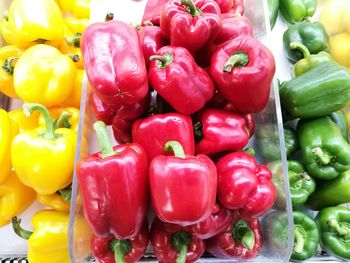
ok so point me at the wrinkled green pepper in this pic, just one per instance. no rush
(268, 142)
(324, 151)
(290, 140)
(295, 11)
(334, 225)
(309, 61)
(275, 227)
(339, 118)
(273, 11)
(331, 193)
(306, 236)
(311, 34)
(318, 92)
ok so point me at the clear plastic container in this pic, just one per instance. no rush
(278, 243)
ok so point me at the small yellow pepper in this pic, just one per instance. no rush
(44, 75)
(77, 8)
(335, 16)
(75, 97)
(44, 158)
(25, 122)
(76, 25)
(35, 21)
(70, 46)
(8, 130)
(339, 48)
(5, 30)
(9, 56)
(71, 123)
(15, 197)
(55, 201)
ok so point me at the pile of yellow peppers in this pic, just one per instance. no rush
(42, 66)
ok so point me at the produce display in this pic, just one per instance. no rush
(173, 155)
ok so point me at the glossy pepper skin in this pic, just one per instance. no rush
(71, 123)
(15, 198)
(215, 223)
(52, 153)
(190, 23)
(273, 11)
(5, 30)
(245, 185)
(224, 5)
(333, 223)
(70, 46)
(33, 22)
(152, 11)
(44, 75)
(339, 118)
(242, 239)
(324, 151)
(23, 122)
(307, 95)
(9, 56)
(311, 34)
(111, 250)
(155, 131)
(174, 71)
(8, 131)
(55, 201)
(77, 8)
(175, 243)
(170, 198)
(114, 186)
(290, 140)
(234, 68)
(295, 11)
(339, 48)
(76, 25)
(220, 131)
(75, 97)
(306, 236)
(238, 7)
(114, 62)
(330, 193)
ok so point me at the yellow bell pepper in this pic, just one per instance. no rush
(44, 75)
(55, 201)
(76, 25)
(15, 197)
(71, 123)
(8, 130)
(35, 21)
(75, 97)
(44, 158)
(9, 56)
(71, 47)
(77, 8)
(339, 48)
(5, 29)
(335, 16)
(25, 123)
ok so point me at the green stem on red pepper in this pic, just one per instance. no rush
(242, 233)
(341, 231)
(163, 61)
(176, 147)
(298, 241)
(16, 225)
(191, 7)
(180, 241)
(103, 139)
(238, 59)
(322, 156)
(120, 248)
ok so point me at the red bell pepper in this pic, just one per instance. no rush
(114, 186)
(111, 250)
(155, 131)
(245, 185)
(219, 220)
(220, 131)
(102, 111)
(177, 181)
(242, 239)
(152, 11)
(190, 23)
(174, 74)
(225, 5)
(173, 243)
(151, 41)
(238, 7)
(243, 69)
(114, 62)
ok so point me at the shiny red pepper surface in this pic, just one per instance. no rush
(173, 243)
(114, 62)
(174, 74)
(190, 23)
(242, 70)
(238, 7)
(152, 11)
(114, 186)
(111, 250)
(155, 131)
(102, 111)
(219, 219)
(183, 188)
(245, 185)
(225, 5)
(242, 239)
(220, 131)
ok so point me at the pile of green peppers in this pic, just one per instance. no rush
(316, 135)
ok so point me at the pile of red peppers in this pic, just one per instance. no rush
(179, 91)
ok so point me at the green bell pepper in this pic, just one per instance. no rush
(295, 11)
(268, 142)
(339, 118)
(334, 225)
(318, 92)
(290, 140)
(306, 236)
(300, 183)
(275, 227)
(331, 193)
(311, 34)
(309, 61)
(273, 11)
(324, 151)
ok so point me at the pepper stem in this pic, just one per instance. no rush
(298, 241)
(103, 139)
(250, 151)
(63, 120)
(74, 57)
(295, 177)
(120, 248)
(16, 224)
(334, 224)
(242, 233)
(176, 147)
(163, 61)
(9, 65)
(302, 48)
(191, 7)
(29, 108)
(180, 242)
(109, 17)
(198, 133)
(239, 59)
(321, 155)
(66, 193)
(74, 40)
